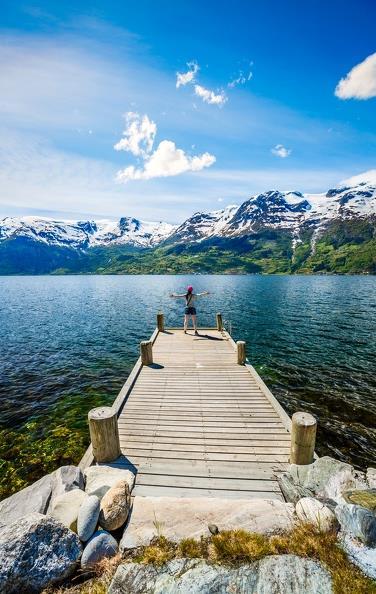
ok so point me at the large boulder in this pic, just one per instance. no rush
(371, 477)
(313, 511)
(179, 518)
(357, 521)
(100, 546)
(115, 506)
(66, 508)
(64, 479)
(282, 574)
(361, 555)
(326, 478)
(88, 515)
(36, 551)
(99, 479)
(34, 498)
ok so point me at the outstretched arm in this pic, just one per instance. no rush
(176, 295)
(204, 293)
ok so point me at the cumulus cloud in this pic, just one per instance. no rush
(138, 136)
(209, 96)
(241, 79)
(167, 160)
(281, 151)
(183, 78)
(365, 177)
(360, 82)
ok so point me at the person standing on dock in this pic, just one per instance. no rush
(190, 310)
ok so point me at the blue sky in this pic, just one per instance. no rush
(93, 123)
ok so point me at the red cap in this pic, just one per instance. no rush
(189, 289)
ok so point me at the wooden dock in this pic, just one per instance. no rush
(195, 423)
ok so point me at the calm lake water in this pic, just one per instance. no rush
(312, 338)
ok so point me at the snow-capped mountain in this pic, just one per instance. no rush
(85, 234)
(288, 211)
(285, 211)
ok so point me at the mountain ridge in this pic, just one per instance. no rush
(261, 228)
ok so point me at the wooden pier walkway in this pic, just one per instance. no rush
(195, 423)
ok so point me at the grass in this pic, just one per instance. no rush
(235, 547)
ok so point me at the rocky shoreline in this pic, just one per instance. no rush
(68, 521)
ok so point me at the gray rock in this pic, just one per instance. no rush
(100, 546)
(364, 497)
(34, 498)
(99, 479)
(36, 551)
(65, 478)
(66, 508)
(362, 556)
(325, 478)
(313, 511)
(371, 477)
(282, 574)
(177, 518)
(357, 521)
(115, 506)
(88, 515)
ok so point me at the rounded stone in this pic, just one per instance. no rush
(100, 546)
(66, 507)
(88, 517)
(310, 510)
(115, 506)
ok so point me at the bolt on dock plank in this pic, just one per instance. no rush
(195, 422)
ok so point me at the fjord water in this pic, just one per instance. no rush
(312, 339)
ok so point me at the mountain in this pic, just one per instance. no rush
(270, 232)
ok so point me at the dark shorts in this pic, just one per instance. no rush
(190, 311)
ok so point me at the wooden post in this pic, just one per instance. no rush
(146, 349)
(160, 322)
(104, 434)
(219, 322)
(241, 352)
(303, 437)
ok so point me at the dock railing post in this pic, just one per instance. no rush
(219, 322)
(241, 352)
(104, 434)
(303, 438)
(160, 321)
(146, 350)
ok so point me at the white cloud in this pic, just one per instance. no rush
(138, 136)
(166, 161)
(183, 78)
(281, 151)
(366, 176)
(209, 96)
(241, 79)
(360, 82)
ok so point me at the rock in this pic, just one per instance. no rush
(213, 529)
(66, 508)
(324, 478)
(362, 556)
(115, 506)
(357, 521)
(99, 479)
(313, 511)
(34, 498)
(282, 574)
(177, 518)
(371, 477)
(65, 478)
(366, 498)
(100, 546)
(36, 551)
(88, 515)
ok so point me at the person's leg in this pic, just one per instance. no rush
(185, 322)
(194, 320)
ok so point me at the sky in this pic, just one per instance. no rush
(161, 109)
